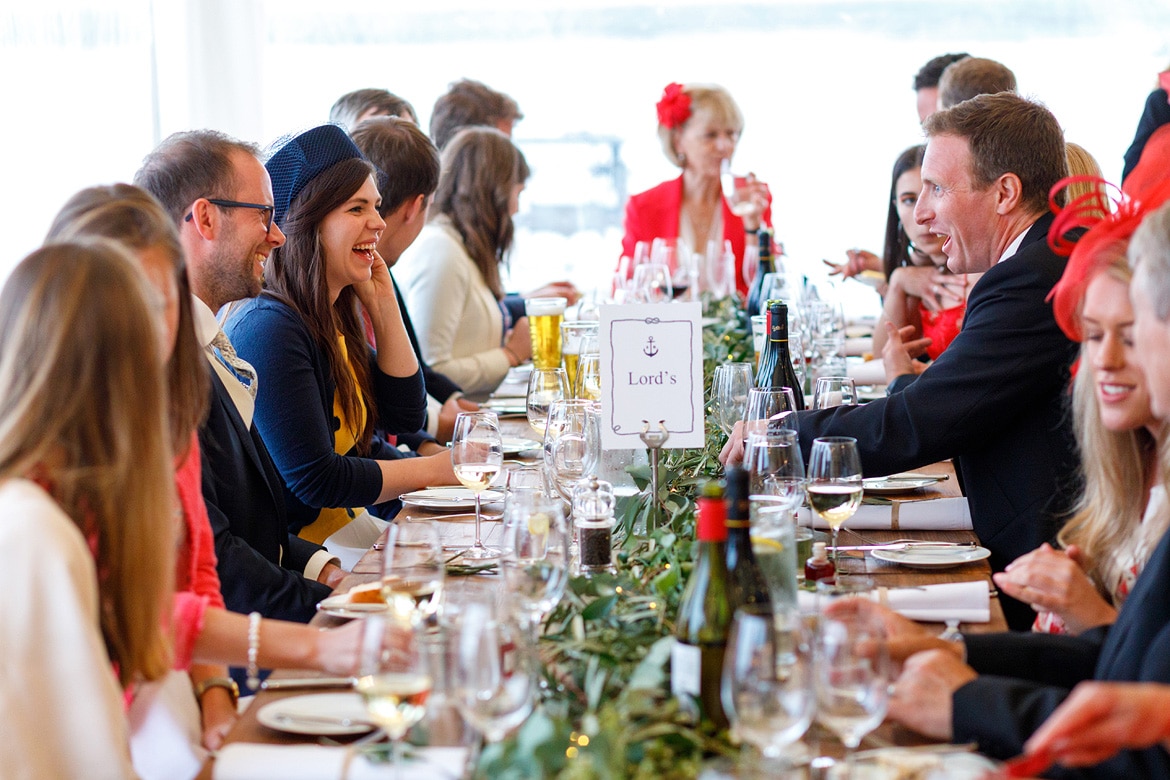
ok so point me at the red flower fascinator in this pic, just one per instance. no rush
(1090, 251)
(674, 107)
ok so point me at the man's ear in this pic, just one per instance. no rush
(1009, 193)
(415, 208)
(204, 218)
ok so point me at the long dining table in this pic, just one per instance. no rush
(458, 530)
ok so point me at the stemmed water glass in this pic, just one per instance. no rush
(834, 487)
(852, 676)
(834, 391)
(545, 385)
(477, 454)
(535, 558)
(652, 283)
(770, 409)
(413, 570)
(767, 685)
(394, 677)
(775, 466)
(572, 444)
(729, 393)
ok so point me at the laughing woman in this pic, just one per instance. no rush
(322, 388)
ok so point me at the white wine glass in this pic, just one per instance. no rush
(834, 391)
(490, 671)
(852, 676)
(394, 677)
(545, 385)
(477, 454)
(729, 393)
(834, 486)
(767, 684)
(572, 444)
(413, 571)
(535, 560)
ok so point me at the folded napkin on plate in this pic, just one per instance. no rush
(936, 514)
(871, 372)
(246, 761)
(969, 602)
(859, 346)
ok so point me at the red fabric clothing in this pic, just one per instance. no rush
(654, 214)
(195, 566)
(941, 327)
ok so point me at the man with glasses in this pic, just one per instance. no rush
(220, 196)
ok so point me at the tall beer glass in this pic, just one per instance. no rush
(544, 323)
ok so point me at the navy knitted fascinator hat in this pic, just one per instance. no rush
(303, 158)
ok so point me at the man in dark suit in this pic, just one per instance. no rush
(219, 194)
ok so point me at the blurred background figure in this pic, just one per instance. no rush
(973, 76)
(352, 107)
(926, 82)
(468, 103)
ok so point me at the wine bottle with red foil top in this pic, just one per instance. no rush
(704, 616)
(755, 303)
(776, 368)
(748, 586)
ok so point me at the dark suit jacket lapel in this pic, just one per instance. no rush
(244, 435)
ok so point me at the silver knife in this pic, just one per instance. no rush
(293, 683)
(905, 546)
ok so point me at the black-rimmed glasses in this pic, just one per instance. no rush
(269, 212)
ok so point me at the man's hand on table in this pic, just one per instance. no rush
(904, 637)
(732, 452)
(922, 693)
(898, 354)
(1099, 719)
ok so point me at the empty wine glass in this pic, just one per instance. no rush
(490, 671)
(767, 685)
(834, 487)
(572, 444)
(729, 393)
(535, 560)
(413, 570)
(477, 455)
(775, 456)
(852, 677)
(652, 283)
(545, 385)
(834, 391)
(719, 271)
(770, 409)
(588, 387)
(394, 678)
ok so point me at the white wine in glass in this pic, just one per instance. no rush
(545, 386)
(477, 454)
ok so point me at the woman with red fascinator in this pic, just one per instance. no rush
(699, 127)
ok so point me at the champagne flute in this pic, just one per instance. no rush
(545, 385)
(834, 488)
(729, 393)
(852, 677)
(535, 560)
(588, 386)
(767, 684)
(413, 571)
(834, 391)
(478, 455)
(394, 677)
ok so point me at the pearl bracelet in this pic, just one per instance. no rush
(253, 650)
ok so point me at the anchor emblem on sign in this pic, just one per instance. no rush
(650, 350)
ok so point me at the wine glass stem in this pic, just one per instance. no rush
(836, 553)
(396, 758)
(478, 543)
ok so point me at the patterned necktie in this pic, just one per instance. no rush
(236, 364)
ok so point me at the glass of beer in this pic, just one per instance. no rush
(544, 323)
(574, 338)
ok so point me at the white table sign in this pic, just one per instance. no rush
(652, 373)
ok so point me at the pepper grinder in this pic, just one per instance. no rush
(593, 521)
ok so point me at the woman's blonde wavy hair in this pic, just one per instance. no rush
(83, 408)
(1117, 466)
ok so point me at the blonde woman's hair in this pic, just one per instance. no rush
(132, 217)
(1116, 466)
(83, 409)
(713, 99)
(1081, 163)
(480, 166)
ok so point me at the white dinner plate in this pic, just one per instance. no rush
(932, 557)
(339, 605)
(891, 485)
(515, 445)
(870, 392)
(317, 714)
(449, 499)
(900, 762)
(505, 406)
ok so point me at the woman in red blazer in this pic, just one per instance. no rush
(699, 126)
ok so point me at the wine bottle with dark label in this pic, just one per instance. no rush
(767, 265)
(748, 586)
(776, 362)
(704, 616)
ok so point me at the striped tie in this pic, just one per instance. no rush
(236, 364)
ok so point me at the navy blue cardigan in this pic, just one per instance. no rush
(294, 411)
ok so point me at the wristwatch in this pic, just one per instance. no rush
(226, 683)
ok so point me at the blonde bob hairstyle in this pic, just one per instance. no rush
(710, 98)
(83, 411)
(1117, 468)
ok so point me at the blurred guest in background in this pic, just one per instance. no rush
(468, 103)
(1155, 115)
(352, 107)
(926, 82)
(973, 76)
(699, 126)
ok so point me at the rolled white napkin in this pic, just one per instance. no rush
(247, 761)
(969, 602)
(938, 514)
(859, 346)
(871, 372)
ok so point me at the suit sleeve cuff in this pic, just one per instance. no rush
(318, 562)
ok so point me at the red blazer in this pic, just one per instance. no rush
(654, 214)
